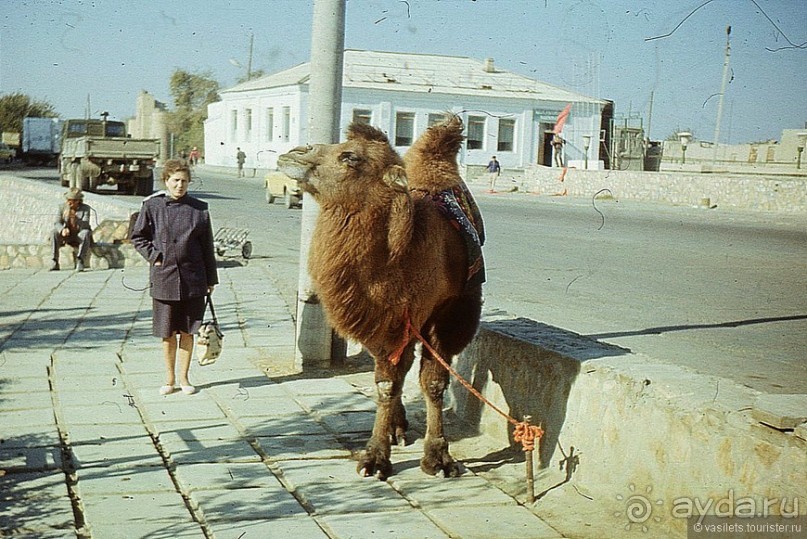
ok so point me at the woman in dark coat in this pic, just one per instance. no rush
(174, 233)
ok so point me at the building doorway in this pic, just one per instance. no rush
(545, 145)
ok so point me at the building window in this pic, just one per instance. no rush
(435, 119)
(270, 124)
(404, 128)
(286, 123)
(233, 125)
(507, 130)
(476, 132)
(248, 125)
(362, 116)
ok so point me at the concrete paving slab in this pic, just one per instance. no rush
(95, 397)
(298, 527)
(13, 383)
(484, 522)
(319, 386)
(246, 504)
(35, 503)
(197, 430)
(124, 480)
(118, 410)
(128, 453)
(88, 381)
(96, 434)
(291, 424)
(147, 529)
(19, 418)
(226, 475)
(184, 408)
(29, 436)
(200, 451)
(252, 386)
(358, 496)
(304, 472)
(348, 422)
(23, 363)
(160, 508)
(434, 492)
(387, 524)
(31, 458)
(303, 447)
(327, 404)
(243, 405)
(25, 401)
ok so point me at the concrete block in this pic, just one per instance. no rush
(292, 424)
(397, 524)
(303, 447)
(243, 405)
(358, 496)
(124, 480)
(142, 508)
(486, 521)
(36, 505)
(295, 526)
(184, 407)
(781, 412)
(220, 430)
(246, 504)
(199, 451)
(29, 436)
(226, 475)
(127, 453)
(32, 459)
(429, 492)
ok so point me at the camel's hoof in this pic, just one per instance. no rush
(378, 467)
(438, 461)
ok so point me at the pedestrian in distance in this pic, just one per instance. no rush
(72, 227)
(240, 158)
(557, 146)
(174, 233)
(193, 157)
(494, 169)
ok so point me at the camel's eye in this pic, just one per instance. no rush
(349, 158)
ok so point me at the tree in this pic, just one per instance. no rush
(14, 107)
(252, 75)
(192, 93)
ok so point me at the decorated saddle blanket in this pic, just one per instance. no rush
(459, 207)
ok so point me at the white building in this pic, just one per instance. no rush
(505, 114)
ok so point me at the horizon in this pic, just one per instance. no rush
(70, 52)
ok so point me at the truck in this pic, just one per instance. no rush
(41, 140)
(96, 153)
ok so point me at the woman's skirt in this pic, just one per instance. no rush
(171, 317)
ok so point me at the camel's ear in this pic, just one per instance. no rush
(401, 217)
(395, 177)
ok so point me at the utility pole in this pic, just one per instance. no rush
(722, 95)
(249, 61)
(316, 342)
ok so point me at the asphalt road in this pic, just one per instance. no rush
(721, 291)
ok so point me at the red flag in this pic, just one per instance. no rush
(562, 117)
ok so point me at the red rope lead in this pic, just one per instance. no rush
(524, 433)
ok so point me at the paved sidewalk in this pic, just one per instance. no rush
(89, 448)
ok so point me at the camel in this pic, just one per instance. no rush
(384, 255)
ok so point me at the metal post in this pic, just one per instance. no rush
(530, 474)
(722, 95)
(316, 342)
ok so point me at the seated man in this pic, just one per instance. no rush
(72, 227)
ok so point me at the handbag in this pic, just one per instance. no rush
(209, 338)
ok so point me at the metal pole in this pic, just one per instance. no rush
(316, 342)
(530, 474)
(722, 95)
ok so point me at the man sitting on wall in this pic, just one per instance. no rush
(72, 227)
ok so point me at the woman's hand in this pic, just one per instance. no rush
(210, 289)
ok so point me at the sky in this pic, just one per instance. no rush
(661, 61)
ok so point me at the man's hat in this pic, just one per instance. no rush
(74, 193)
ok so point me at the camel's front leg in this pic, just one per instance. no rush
(390, 419)
(433, 382)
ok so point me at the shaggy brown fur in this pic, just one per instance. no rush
(380, 255)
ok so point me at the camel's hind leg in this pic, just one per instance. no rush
(390, 419)
(448, 334)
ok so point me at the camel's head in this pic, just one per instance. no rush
(362, 168)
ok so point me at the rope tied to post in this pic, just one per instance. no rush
(525, 433)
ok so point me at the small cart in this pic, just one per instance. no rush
(232, 238)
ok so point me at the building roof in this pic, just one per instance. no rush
(423, 73)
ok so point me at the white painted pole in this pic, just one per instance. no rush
(316, 342)
(722, 95)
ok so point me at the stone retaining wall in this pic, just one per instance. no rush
(31, 208)
(632, 423)
(753, 192)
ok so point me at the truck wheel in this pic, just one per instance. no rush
(145, 186)
(290, 200)
(85, 182)
(246, 249)
(270, 198)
